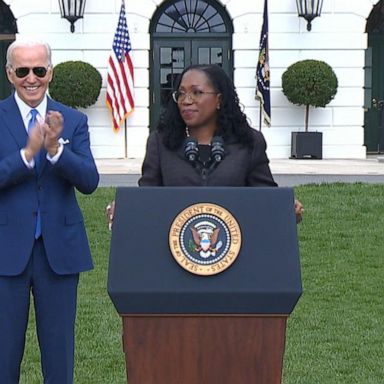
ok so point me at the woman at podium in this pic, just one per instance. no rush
(203, 138)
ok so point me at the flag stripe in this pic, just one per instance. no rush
(123, 69)
(120, 88)
(118, 84)
(120, 76)
(114, 87)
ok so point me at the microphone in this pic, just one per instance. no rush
(191, 150)
(217, 149)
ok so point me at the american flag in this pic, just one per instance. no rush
(120, 78)
(262, 70)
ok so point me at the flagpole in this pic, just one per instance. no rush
(260, 114)
(125, 140)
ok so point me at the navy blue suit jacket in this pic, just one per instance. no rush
(53, 188)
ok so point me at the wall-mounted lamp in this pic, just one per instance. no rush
(309, 9)
(72, 10)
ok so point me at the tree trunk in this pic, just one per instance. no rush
(306, 117)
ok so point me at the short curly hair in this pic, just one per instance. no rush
(232, 122)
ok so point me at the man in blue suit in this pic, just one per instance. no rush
(44, 156)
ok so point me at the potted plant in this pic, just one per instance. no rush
(310, 83)
(75, 83)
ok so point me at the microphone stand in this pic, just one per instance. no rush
(191, 153)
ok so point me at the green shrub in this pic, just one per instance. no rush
(309, 83)
(75, 83)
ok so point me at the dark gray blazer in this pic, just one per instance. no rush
(241, 166)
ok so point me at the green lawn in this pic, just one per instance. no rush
(336, 333)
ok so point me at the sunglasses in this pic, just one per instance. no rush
(24, 71)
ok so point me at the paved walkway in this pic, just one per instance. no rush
(373, 165)
(125, 172)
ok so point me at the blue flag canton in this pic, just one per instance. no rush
(121, 41)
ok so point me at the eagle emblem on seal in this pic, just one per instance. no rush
(205, 236)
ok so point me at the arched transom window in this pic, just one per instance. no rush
(191, 16)
(185, 32)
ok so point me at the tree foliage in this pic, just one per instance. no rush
(75, 83)
(309, 83)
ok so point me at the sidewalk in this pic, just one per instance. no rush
(370, 166)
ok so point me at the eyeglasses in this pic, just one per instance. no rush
(195, 95)
(24, 71)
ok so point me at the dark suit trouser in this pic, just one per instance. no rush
(55, 310)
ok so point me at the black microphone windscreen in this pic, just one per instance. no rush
(191, 149)
(217, 149)
(217, 139)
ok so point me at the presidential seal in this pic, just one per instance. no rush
(205, 239)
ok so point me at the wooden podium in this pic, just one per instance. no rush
(183, 328)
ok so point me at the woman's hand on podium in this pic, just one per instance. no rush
(110, 213)
(299, 210)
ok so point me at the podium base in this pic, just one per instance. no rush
(204, 349)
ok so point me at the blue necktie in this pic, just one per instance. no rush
(32, 122)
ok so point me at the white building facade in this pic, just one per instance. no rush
(338, 37)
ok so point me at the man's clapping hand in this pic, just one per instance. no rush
(53, 127)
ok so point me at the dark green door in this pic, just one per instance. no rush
(185, 33)
(212, 51)
(374, 94)
(171, 56)
(5, 86)
(8, 29)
